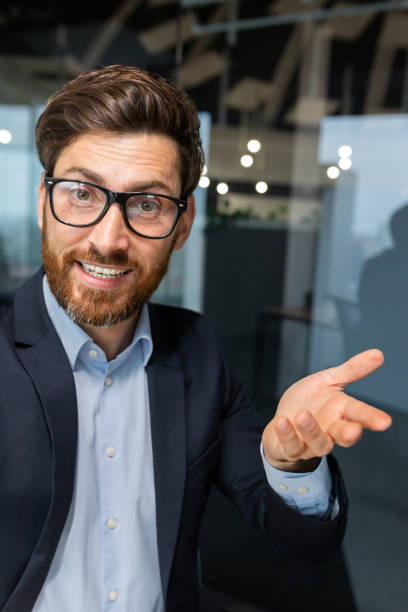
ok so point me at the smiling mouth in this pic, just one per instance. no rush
(101, 272)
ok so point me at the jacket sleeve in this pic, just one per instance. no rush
(242, 479)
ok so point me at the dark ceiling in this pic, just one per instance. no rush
(85, 33)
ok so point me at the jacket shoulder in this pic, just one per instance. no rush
(176, 314)
(178, 322)
(181, 330)
(6, 302)
(6, 314)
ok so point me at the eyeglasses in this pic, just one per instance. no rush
(81, 204)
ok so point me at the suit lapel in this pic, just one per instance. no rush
(50, 371)
(167, 414)
(43, 357)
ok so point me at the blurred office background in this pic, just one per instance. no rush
(300, 250)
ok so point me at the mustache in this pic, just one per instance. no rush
(92, 255)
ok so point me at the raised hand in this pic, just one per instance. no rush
(315, 413)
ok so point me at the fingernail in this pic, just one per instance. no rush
(305, 420)
(283, 425)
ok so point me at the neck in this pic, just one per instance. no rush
(114, 339)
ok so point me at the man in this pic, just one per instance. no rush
(116, 416)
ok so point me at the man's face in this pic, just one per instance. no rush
(130, 162)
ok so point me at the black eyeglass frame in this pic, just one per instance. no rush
(115, 197)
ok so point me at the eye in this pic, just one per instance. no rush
(148, 205)
(82, 194)
(145, 205)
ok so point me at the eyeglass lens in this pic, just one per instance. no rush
(79, 204)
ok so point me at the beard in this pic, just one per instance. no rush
(100, 307)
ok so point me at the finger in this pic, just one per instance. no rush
(345, 433)
(357, 367)
(292, 445)
(319, 443)
(367, 416)
(342, 406)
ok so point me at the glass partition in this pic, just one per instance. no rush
(20, 176)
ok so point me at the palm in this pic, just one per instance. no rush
(315, 413)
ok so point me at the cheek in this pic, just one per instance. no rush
(65, 238)
(143, 249)
(153, 252)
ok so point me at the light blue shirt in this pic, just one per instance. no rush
(107, 557)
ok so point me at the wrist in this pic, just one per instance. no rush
(300, 466)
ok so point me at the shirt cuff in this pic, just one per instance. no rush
(308, 493)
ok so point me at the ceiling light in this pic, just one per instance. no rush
(247, 161)
(345, 151)
(333, 172)
(345, 163)
(222, 188)
(261, 187)
(253, 145)
(204, 182)
(5, 136)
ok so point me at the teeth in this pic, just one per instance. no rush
(98, 272)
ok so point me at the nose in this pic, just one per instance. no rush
(110, 234)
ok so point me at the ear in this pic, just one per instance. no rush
(41, 201)
(186, 223)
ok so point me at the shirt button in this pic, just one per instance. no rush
(111, 523)
(303, 491)
(282, 487)
(113, 595)
(108, 381)
(110, 451)
(93, 353)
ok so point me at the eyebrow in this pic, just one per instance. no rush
(94, 177)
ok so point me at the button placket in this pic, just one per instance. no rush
(110, 490)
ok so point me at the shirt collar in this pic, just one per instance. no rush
(74, 337)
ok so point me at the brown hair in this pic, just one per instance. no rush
(122, 99)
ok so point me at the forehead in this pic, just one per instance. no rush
(120, 159)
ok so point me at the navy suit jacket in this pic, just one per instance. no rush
(204, 432)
